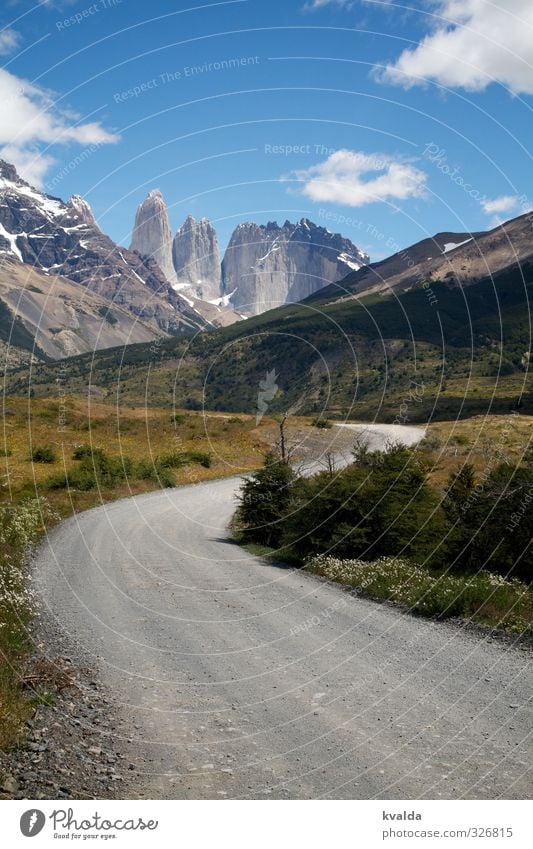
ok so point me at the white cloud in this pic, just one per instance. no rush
(29, 119)
(9, 41)
(472, 44)
(504, 203)
(356, 179)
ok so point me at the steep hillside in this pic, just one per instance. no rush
(459, 259)
(410, 358)
(63, 239)
(54, 317)
(267, 266)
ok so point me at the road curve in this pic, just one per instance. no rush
(247, 680)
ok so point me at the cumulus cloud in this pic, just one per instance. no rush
(504, 203)
(9, 41)
(30, 119)
(472, 43)
(355, 179)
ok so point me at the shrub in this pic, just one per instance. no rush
(379, 506)
(492, 520)
(178, 459)
(43, 454)
(178, 418)
(155, 471)
(264, 500)
(320, 422)
(95, 470)
(83, 451)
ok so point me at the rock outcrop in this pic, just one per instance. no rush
(196, 258)
(267, 266)
(152, 236)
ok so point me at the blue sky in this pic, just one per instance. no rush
(386, 121)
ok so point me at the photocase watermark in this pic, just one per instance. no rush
(32, 822)
(180, 74)
(414, 396)
(268, 389)
(497, 456)
(390, 245)
(85, 14)
(71, 166)
(438, 156)
(519, 514)
(61, 395)
(315, 620)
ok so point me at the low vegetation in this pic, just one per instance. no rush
(382, 525)
(21, 525)
(65, 455)
(79, 453)
(398, 371)
(483, 597)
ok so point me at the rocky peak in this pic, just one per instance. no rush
(82, 210)
(267, 265)
(196, 258)
(9, 172)
(152, 236)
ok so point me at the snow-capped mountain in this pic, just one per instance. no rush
(267, 266)
(63, 239)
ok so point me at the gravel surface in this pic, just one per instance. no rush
(233, 677)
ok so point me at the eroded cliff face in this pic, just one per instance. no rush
(266, 266)
(152, 236)
(196, 258)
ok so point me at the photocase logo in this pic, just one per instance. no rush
(268, 389)
(32, 822)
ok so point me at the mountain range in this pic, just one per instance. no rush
(264, 266)
(448, 315)
(423, 348)
(161, 286)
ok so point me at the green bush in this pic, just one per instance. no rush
(43, 454)
(177, 459)
(322, 423)
(264, 500)
(96, 470)
(381, 505)
(83, 451)
(147, 470)
(491, 520)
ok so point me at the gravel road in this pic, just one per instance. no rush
(239, 678)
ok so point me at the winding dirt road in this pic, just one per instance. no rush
(243, 679)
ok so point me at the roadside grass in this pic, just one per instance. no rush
(21, 525)
(61, 456)
(485, 598)
(479, 441)
(143, 449)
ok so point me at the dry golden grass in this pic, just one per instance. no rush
(479, 440)
(235, 443)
